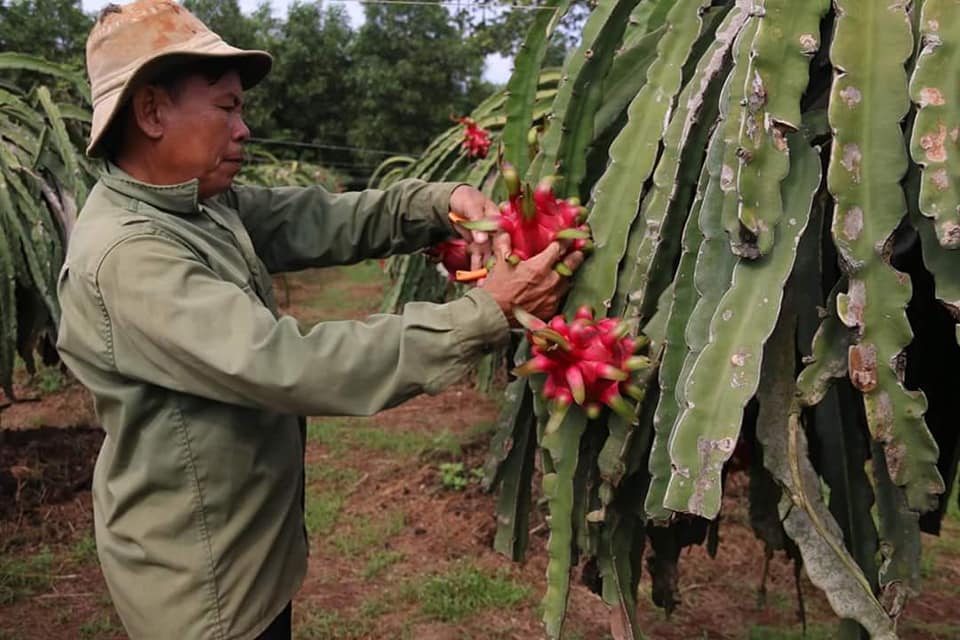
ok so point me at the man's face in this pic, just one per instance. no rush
(204, 132)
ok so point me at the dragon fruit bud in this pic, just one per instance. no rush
(511, 179)
(537, 364)
(553, 339)
(527, 320)
(575, 380)
(638, 363)
(621, 406)
(636, 392)
(563, 270)
(584, 313)
(528, 205)
(610, 372)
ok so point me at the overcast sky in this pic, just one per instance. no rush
(497, 67)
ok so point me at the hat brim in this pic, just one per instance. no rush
(252, 66)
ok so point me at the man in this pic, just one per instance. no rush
(169, 319)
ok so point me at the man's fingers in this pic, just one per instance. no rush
(502, 247)
(548, 256)
(574, 260)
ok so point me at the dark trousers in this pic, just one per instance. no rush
(280, 628)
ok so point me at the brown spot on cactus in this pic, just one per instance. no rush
(851, 96)
(863, 367)
(739, 358)
(853, 223)
(713, 453)
(851, 305)
(940, 180)
(930, 96)
(727, 177)
(880, 414)
(895, 454)
(852, 157)
(758, 94)
(779, 138)
(933, 144)
(933, 25)
(809, 43)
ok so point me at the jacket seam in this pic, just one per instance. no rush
(463, 355)
(201, 519)
(152, 232)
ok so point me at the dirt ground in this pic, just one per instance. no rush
(388, 525)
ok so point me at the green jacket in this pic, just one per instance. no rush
(169, 319)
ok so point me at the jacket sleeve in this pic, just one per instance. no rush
(174, 323)
(298, 227)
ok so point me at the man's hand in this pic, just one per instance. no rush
(532, 285)
(468, 202)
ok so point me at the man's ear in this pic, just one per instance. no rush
(148, 110)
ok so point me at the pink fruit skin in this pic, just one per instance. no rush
(476, 141)
(530, 236)
(595, 355)
(453, 254)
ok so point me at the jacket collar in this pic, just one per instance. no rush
(175, 198)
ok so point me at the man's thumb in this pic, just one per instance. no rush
(548, 256)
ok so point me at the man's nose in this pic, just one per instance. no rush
(241, 131)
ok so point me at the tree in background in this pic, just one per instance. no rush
(412, 70)
(390, 85)
(500, 27)
(307, 95)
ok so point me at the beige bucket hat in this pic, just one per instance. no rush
(133, 42)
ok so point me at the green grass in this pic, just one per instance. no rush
(953, 506)
(367, 272)
(99, 627)
(342, 624)
(795, 632)
(466, 590)
(325, 495)
(322, 510)
(341, 435)
(338, 292)
(359, 534)
(20, 578)
(332, 625)
(49, 380)
(944, 630)
(380, 561)
(84, 549)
